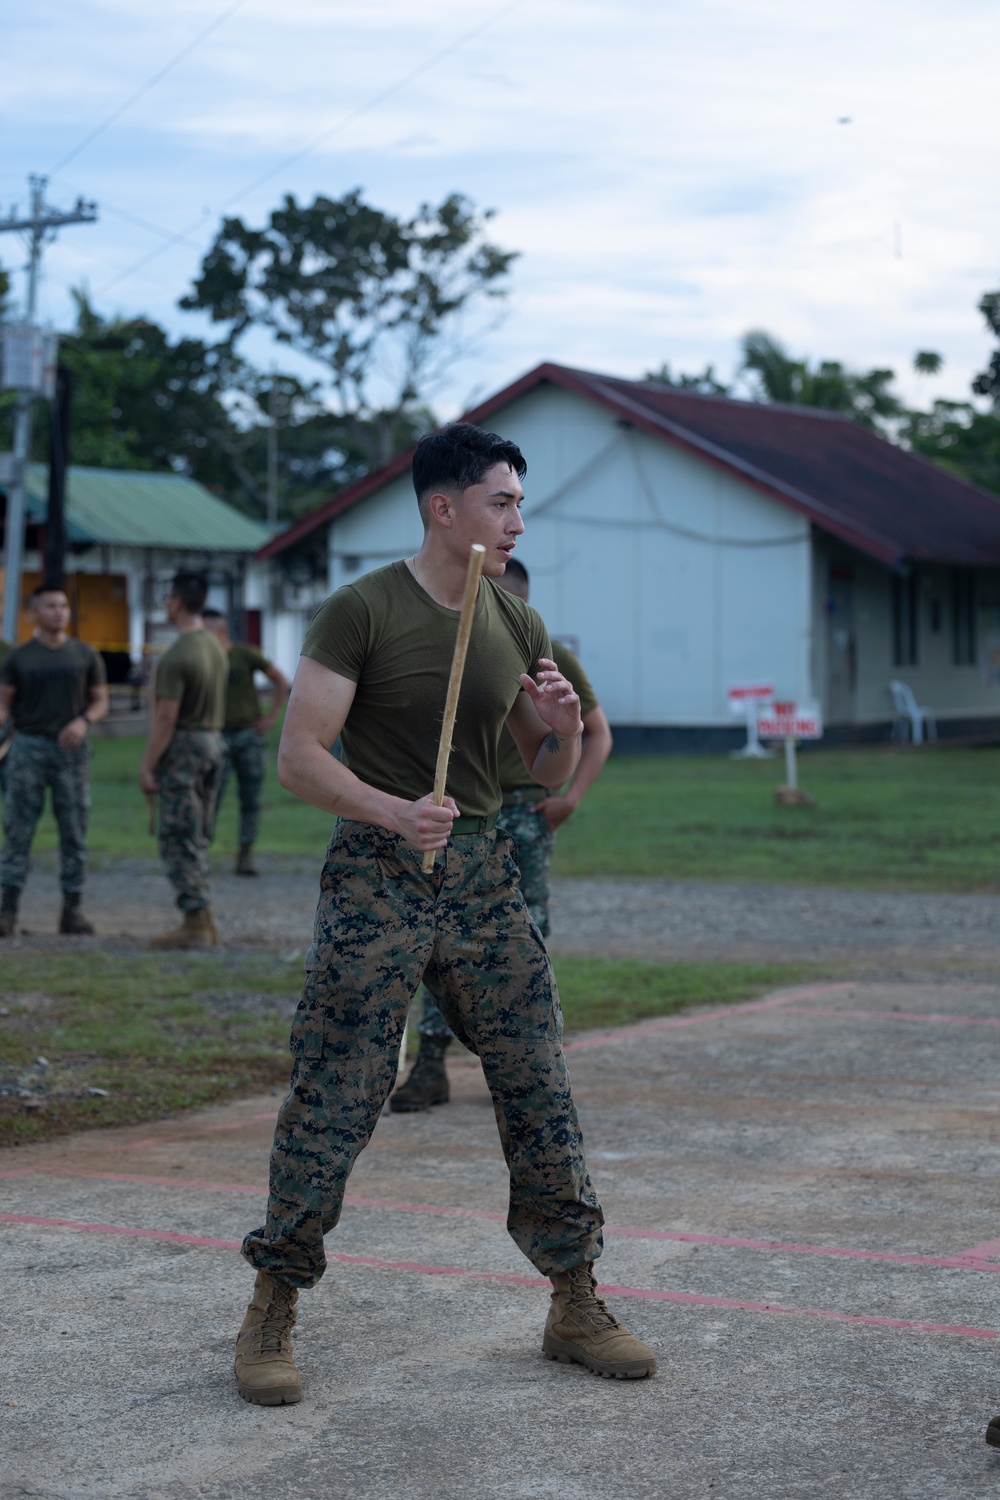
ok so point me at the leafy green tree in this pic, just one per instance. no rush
(963, 439)
(145, 401)
(773, 375)
(382, 303)
(988, 383)
(706, 383)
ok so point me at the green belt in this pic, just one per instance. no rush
(523, 794)
(475, 825)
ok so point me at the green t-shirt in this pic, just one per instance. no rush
(390, 637)
(513, 774)
(242, 702)
(51, 685)
(194, 672)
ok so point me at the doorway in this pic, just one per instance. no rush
(841, 643)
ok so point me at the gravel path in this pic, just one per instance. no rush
(648, 918)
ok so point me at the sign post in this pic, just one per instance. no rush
(791, 722)
(747, 698)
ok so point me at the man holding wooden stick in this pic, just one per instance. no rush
(375, 670)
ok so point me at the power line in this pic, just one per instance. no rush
(325, 135)
(150, 83)
(372, 103)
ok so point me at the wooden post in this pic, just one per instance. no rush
(477, 557)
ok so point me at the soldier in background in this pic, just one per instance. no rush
(52, 691)
(245, 729)
(184, 757)
(531, 816)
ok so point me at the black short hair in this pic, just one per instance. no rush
(191, 589)
(212, 614)
(515, 569)
(459, 456)
(45, 588)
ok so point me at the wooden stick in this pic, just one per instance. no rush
(477, 556)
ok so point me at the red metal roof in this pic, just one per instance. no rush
(849, 482)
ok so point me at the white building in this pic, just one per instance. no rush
(684, 542)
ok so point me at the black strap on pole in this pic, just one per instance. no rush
(55, 526)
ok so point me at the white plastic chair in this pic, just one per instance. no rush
(911, 721)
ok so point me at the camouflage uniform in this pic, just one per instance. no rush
(245, 752)
(534, 842)
(188, 773)
(34, 763)
(380, 924)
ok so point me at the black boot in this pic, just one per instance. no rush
(73, 923)
(10, 896)
(428, 1081)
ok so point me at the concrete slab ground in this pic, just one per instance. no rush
(803, 1219)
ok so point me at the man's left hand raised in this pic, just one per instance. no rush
(556, 703)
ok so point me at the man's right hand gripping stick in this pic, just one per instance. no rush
(476, 558)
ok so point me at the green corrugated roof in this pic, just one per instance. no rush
(132, 508)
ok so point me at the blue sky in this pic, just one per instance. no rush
(673, 173)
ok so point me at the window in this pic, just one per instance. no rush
(904, 620)
(963, 617)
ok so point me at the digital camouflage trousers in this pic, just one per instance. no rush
(36, 764)
(188, 773)
(535, 842)
(381, 924)
(245, 753)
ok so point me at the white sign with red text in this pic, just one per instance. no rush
(790, 721)
(744, 695)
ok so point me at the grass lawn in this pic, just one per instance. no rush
(890, 819)
(161, 1033)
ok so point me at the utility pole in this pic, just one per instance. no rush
(41, 224)
(272, 454)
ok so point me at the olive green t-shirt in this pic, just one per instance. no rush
(52, 685)
(194, 672)
(391, 638)
(514, 776)
(242, 702)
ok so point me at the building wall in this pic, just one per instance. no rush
(952, 691)
(670, 578)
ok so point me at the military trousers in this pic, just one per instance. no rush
(36, 764)
(246, 755)
(534, 842)
(380, 925)
(188, 773)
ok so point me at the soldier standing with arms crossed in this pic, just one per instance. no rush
(184, 757)
(375, 667)
(244, 731)
(53, 689)
(530, 815)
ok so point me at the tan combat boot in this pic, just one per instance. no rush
(580, 1330)
(244, 861)
(265, 1369)
(197, 930)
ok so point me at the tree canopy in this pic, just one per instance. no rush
(380, 302)
(773, 375)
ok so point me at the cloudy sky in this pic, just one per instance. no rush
(674, 172)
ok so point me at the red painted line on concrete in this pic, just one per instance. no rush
(932, 1017)
(691, 1299)
(976, 1259)
(717, 1014)
(985, 1251)
(126, 1230)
